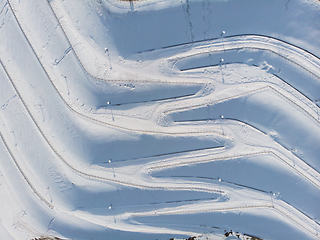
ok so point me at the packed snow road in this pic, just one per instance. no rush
(193, 133)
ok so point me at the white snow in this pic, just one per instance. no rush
(159, 119)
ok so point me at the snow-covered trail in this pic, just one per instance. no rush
(215, 132)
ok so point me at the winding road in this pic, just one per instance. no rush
(57, 130)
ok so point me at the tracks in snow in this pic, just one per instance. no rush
(301, 58)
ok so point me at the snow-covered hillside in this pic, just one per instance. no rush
(160, 119)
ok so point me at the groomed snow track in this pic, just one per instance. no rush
(47, 130)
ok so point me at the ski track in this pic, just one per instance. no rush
(142, 173)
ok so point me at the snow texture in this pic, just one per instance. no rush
(159, 119)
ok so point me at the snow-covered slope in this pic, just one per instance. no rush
(159, 119)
